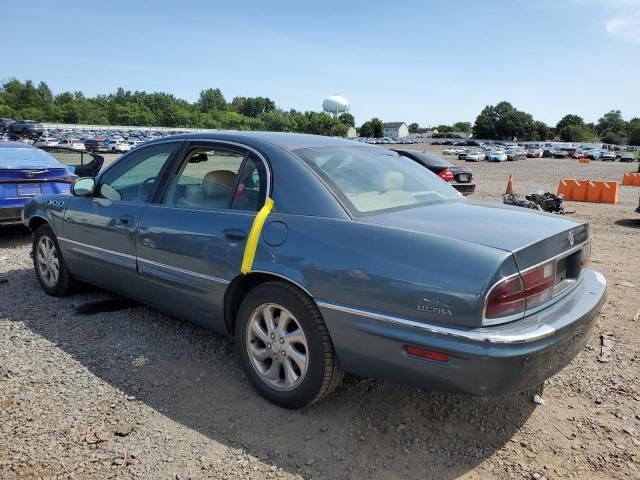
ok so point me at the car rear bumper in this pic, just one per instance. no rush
(487, 361)
(464, 188)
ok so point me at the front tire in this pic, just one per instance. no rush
(51, 270)
(284, 346)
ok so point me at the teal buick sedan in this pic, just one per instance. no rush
(320, 256)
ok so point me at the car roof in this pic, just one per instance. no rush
(285, 140)
(16, 145)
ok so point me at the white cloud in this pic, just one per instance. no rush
(627, 28)
(623, 17)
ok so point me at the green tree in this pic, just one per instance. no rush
(212, 100)
(576, 133)
(634, 134)
(612, 123)
(444, 128)
(569, 120)
(347, 119)
(414, 127)
(366, 129)
(279, 121)
(611, 137)
(464, 127)
(377, 128)
(485, 125)
(540, 131)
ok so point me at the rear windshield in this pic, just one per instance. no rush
(429, 159)
(18, 158)
(369, 179)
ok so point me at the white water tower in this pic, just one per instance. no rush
(335, 105)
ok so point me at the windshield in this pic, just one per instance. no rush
(18, 158)
(369, 179)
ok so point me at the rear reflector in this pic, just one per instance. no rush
(426, 354)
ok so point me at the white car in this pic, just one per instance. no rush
(71, 143)
(452, 151)
(117, 146)
(47, 142)
(496, 156)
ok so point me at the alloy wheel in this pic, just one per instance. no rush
(277, 347)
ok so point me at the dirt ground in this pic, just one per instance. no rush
(137, 394)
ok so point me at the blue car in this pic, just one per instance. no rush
(26, 171)
(323, 256)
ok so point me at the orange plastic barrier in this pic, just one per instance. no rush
(597, 191)
(631, 179)
(584, 160)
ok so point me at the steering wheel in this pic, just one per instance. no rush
(143, 187)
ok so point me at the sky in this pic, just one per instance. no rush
(424, 61)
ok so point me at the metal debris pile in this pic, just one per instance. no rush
(545, 201)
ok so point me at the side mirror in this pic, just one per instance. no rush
(82, 187)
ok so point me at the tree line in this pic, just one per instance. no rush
(504, 122)
(20, 100)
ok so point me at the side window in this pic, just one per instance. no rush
(215, 177)
(206, 179)
(132, 179)
(251, 190)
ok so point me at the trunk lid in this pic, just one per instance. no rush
(26, 175)
(461, 174)
(532, 237)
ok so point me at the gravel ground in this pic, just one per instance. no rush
(137, 394)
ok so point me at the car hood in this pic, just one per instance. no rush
(531, 236)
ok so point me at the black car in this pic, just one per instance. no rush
(459, 178)
(96, 145)
(26, 128)
(5, 123)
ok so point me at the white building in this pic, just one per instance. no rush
(396, 129)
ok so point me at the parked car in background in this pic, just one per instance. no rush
(627, 157)
(96, 145)
(117, 146)
(608, 156)
(557, 153)
(577, 154)
(453, 151)
(471, 155)
(5, 123)
(534, 153)
(460, 178)
(401, 277)
(71, 143)
(515, 154)
(26, 171)
(46, 141)
(496, 156)
(26, 128)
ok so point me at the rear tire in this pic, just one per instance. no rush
(284, 346)
(51, 270)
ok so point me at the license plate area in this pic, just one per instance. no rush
(463, 177)
(28, 189)
(567, 271)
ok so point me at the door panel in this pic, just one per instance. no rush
(185, 260)
(98, 241)
(99, 233)
(190, 246)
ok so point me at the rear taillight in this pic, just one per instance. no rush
(514, 295)
(446, 175)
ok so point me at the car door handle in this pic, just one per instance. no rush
(126, 220)
(235, 235)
